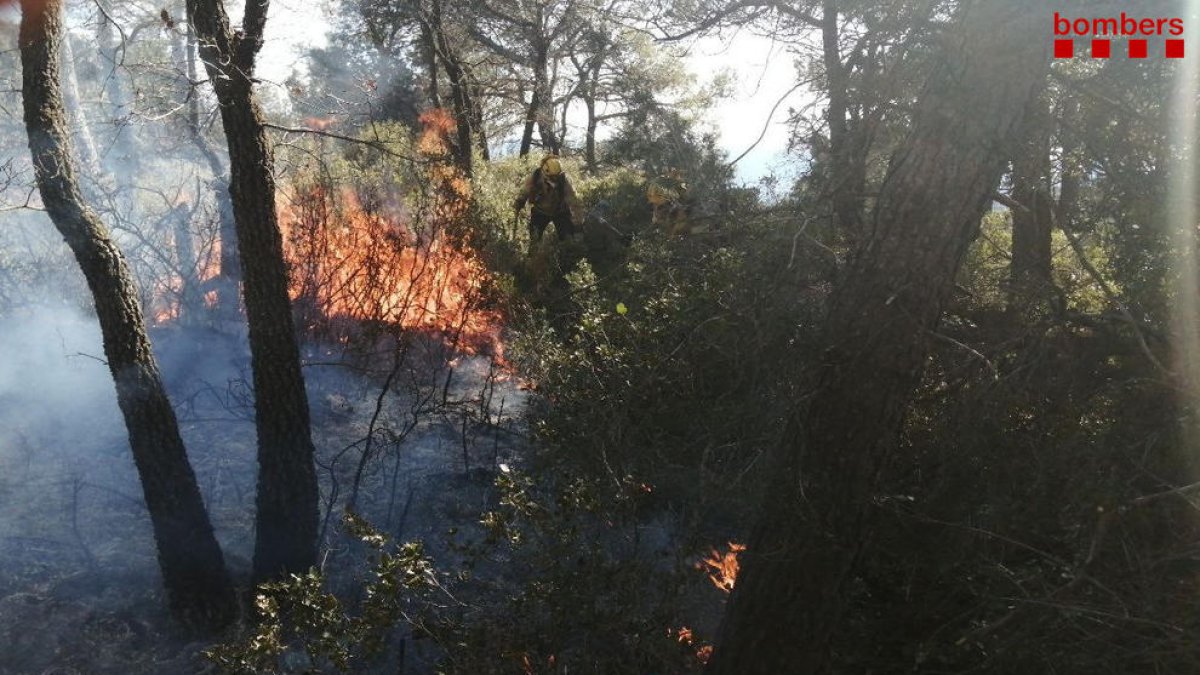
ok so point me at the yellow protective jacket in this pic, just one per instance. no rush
(547, 196)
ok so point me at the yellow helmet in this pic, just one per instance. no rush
(551, 166)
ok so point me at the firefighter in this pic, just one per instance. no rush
(668, 195)
(552, 200)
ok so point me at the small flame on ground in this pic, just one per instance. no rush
(686, 637)
(722, 568)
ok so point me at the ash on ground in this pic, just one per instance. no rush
(79, 583)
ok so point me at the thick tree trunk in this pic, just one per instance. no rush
(847, 144)
(541, 108)
(191, 293)
(229, 273)
(1032, 227)
(545, 115)
(1071, 176)
(460, 95)
(198, 587)
(286, 534)
(816, 523)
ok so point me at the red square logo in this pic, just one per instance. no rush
(1064, 49)
(1101, 49)
(1137, 49)
(1174, 49)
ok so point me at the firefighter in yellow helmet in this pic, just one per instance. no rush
(551, 198)
(668, 194)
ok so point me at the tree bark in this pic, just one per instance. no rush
(815, 527)
(198, 588)
(286, 524)
(229, 275)
(530, 121)
(846, 179)
(429, 51)
(477, 124)
(465, 107)
(1030, 271)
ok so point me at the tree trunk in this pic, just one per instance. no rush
(429, 51)
(589, 144)
(1030, 272)
(465, 108)
(530, 121)
(1069, 166)
(847, 175)
(477, 125)
(816, 523)
(286, 525)
(542, 107)
(229, 276)
(198, 588)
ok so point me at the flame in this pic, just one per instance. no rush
(722, 568)
(687, 638)
(165, 303)
(371, 261)
(351, 262)
(358, 258)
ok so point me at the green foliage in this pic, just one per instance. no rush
(299, 614)
(680, 366)
(586, 587)
(985, 270)
(559, 576)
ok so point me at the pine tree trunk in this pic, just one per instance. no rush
(816, 523)
(198, 588)
(846, 177)
(286, 524)
(1032, 227)
(229, 274)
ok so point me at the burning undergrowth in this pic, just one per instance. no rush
(412, 411)
(382, 243)
(356, 264)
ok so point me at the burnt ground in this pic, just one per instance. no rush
(79, 584)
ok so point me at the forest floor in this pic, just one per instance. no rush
(79, 583)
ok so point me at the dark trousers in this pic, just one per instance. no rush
(538, 222)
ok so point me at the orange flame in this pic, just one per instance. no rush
(371, 261)
(687, 638)
(359, 259)
(722, 567)
(351, 262)
(167, 295)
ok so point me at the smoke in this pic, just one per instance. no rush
(61, 435)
